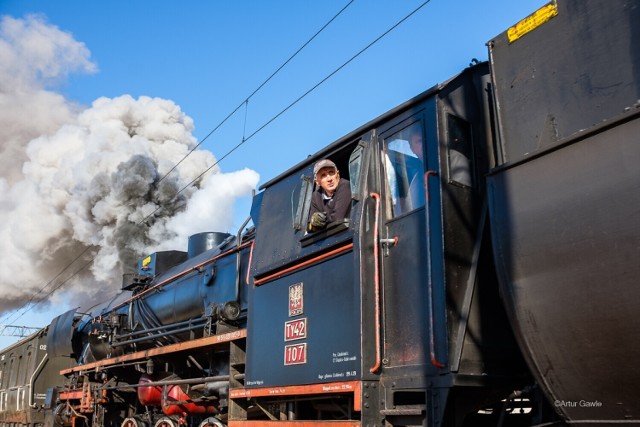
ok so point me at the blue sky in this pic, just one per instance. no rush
(208, 56)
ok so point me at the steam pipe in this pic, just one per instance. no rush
(151, 317)
(145, 319)
(169, 382)
(164, 334)
(131, 334)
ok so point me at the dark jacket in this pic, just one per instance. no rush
(337, 207)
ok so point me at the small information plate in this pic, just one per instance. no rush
(295, 329)
(295, 354)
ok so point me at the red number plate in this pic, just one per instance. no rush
(295, 329)
(295, 354)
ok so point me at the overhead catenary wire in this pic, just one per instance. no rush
(246, 100)
(244, 140)
(26, 306)
(244, 103)
(275, 117)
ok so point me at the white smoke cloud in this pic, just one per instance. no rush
(33, 54)
(92, 181)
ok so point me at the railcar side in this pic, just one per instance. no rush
(27, 374)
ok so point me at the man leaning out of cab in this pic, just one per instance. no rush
(331, 200)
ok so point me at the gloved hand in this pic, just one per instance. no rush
(318, 220)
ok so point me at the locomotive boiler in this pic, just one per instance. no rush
(145, 337)
(485, 275)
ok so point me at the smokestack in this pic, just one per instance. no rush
(202, 242)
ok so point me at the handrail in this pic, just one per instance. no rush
(376, 282)
(248, 280)
(432, 339)
(32, 381)
(238, 257)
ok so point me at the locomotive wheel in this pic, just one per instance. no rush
(61, 414)
(211, 422)
(132, 422)
(166, 422)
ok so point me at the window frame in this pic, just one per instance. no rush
(394, 127)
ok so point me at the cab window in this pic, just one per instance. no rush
(459, 151)
(350, 162)
(403, 156)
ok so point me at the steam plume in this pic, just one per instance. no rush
(92, 179)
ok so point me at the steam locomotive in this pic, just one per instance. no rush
(502, 293)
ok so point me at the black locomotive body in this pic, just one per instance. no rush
(485, 275)
(564, 204)
(159, 351)
(401, 297)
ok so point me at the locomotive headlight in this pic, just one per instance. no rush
(230, 311)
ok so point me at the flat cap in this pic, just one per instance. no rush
(326, 163)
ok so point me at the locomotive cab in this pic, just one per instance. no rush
(386, 313)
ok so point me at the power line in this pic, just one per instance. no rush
(244, 140)
(268, 122)
(336, 71)
(243, 103)
(26, 305)
(246, 100)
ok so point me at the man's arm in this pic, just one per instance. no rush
(314, 224)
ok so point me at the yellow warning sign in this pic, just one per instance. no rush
(532, 21)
